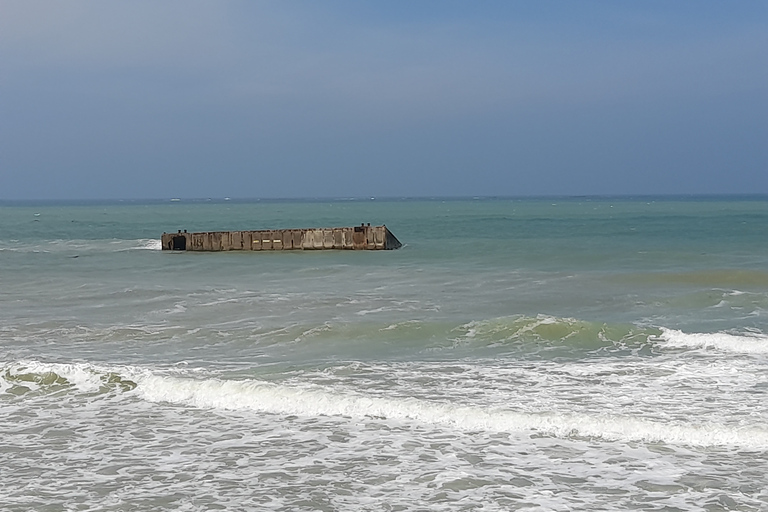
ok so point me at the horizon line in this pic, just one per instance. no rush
(225, 199)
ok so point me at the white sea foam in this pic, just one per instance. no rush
(381, 309)
(150, 244)
(84, 377)
(313, 401)
(736, 343)
(81, 246)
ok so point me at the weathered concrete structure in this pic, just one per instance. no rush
(363, 237)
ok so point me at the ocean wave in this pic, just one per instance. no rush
(749, 343)
(503, 334)
(37, 378)
(185, 387)
(550, 330)
(273, 398)
(535, 336)
(150, 244)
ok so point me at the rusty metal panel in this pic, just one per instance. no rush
(366, 238)
(287, 239)
(358, 237)
(277, 240)
(236, 241)
(313, 239)
(346, 238)
(318, 238)
(307, 239)
(255, 241)
(379, 237)
(298, 236)
(369, 244)
(266, 240)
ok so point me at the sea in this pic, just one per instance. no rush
(538, 354)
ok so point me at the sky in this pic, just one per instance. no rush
(140, 99)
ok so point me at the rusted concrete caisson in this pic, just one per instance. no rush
(363, 237)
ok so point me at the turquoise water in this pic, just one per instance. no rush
(539, 354)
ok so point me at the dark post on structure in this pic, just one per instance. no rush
(362, 237)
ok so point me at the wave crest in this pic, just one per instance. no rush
(549, 330)
(35, 378)
(737, 343)
(307, 402)
(24, 379)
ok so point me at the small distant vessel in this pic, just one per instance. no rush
(362, 237)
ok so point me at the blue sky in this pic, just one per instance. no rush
(244, 99)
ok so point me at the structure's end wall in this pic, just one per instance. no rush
(391, 240)
(177, 241)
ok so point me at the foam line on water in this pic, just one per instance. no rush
(82, 245)
(307, 402)
(745, 343)
(150, 244)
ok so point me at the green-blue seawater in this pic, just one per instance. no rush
(515, 354)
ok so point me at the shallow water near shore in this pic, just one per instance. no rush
(537, 354)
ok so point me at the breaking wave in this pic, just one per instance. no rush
(35, 378)
(545, 329)
(279, 399)
(750, 343)
(541, 334)
(81, 246)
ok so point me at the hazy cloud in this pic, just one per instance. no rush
(124, 98)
